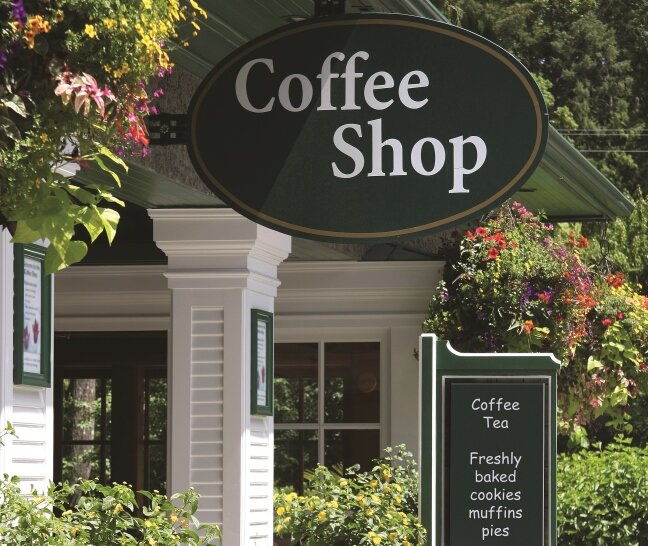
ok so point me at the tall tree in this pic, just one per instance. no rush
(594, 54)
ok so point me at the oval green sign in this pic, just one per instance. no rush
(366, 128)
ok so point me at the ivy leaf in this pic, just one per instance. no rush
(24, 234)
(107, 169)
(113, 157)
(16, 104)
(9, 128)
(84, 196)
(74, 251)
(109, 219)
(593, 364)
(91, 220)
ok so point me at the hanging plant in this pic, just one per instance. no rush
(518, 287)
(78, 79)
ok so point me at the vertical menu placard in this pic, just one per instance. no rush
(495, 486)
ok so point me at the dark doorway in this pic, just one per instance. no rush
(110, 393)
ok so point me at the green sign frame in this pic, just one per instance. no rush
(366, 128)
(32, 317)
(484, 479)
(262, 363)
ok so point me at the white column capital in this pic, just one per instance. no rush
(218, 248)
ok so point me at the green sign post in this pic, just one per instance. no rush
(488, 444)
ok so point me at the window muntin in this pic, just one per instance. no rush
(327, 407)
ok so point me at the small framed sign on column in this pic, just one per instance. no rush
(32, 317)
(262, 373)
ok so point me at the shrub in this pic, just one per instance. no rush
(102, 516)
(356, 508)
(603, 497)
(91, 514)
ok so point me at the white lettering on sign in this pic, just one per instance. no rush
(295, 93)
(487, 474)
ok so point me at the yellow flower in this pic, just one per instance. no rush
(280, 511)
(393, 536)
(332, 504)
(109, 23)
(343, 483)
(147, 4)
(322, 515)
(195, 6)
(375, 498)
(118, 508)
(407, 543)
(373, 483)
(376, 540)
(173, 518)
(90, 31)
(368, 512)
(152, 542)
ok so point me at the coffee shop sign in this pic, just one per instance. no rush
(366, 128)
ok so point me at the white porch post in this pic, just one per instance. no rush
(220, 266)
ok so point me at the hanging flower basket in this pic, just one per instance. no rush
(86, 72)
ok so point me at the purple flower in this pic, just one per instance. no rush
(18, 11)
(490, 339)
(528, 294)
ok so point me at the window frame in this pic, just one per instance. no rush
(339, 335)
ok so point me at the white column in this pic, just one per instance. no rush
(220, 266)
(28, 408)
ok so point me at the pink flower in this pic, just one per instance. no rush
(606, 322)
(481, 231)
(85, 90)
(596, 402)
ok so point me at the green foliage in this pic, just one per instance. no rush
(75, 81)
(603, 497)
(627, 242)
(355, 508)
(518, 288)
(101, 516)
(88, 513)
(594, 54)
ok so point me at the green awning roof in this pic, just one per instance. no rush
(566, 185)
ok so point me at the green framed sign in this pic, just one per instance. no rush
(488, 447)
(262, 360)
(366, 127)
(32, 317)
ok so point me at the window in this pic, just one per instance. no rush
(110, 394)
(327, 407)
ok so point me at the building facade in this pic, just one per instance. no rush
(151, 378)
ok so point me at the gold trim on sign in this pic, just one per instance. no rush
(372, 234)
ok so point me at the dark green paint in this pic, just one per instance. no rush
(450, 381)
(257, 408)
(22, 377)
(522, 520)
(276, 167)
